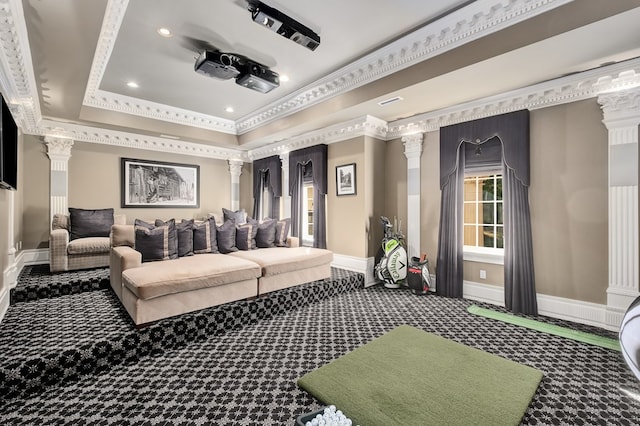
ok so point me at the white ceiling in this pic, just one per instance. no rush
(433, 54)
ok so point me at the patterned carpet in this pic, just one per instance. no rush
(246, 373)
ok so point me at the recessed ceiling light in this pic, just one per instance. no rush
(284, 78)
(133, 84)
(165, 32)
(229, 109)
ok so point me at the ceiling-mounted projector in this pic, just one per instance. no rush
(258, 77)
(225, 66)
(217, 64)
(284, 25)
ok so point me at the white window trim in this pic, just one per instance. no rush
(483, 255)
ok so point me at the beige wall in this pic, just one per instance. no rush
(374, 183)
(569, 202)
(95, 181)
(35, 200)
(568, 199)
(346, 214)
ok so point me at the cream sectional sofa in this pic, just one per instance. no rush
(151, 291)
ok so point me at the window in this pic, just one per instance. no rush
(307, 213)
(483, 216)
(264, 202)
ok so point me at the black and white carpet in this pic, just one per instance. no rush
(246, 374)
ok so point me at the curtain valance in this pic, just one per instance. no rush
(270, 166)
(317, 155)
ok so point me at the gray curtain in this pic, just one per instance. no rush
(519, 276)
(317, 157)
(513, 131)
(267, 172)
(450, 235)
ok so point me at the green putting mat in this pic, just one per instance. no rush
(556, 330)
(410, 377)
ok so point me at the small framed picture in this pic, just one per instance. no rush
(346, 179)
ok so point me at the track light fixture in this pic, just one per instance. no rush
(284, 25)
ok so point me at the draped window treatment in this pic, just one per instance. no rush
(316, 158)
(267, 174)
(511, 131)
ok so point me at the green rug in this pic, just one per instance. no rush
(556, 330)
(410, 377)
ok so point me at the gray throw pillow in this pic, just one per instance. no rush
(184, 230)
(239, 216)
(282, 232)
(246, 236)
(173, 236)
(205, 239)
(226, 235)
(266, 234)
(153, 241)
(90, 223)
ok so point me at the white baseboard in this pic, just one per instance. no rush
(363, 265)
(556, 307)
(33, 257)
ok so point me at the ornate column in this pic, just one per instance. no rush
(59, 152)
(10, 273)
(622, 117)
(413, 151)
(286, 198)
(235, 168)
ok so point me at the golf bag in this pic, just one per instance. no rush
(419, 277)
(392, 266)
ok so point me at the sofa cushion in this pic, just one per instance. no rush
(89, 223)
(123, 235)
(226, 235)
(155, 243)
(187, 273)
(89, 245)
(278, 260)
(205, 238)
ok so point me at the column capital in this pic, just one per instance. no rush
(284, 158)
(58, 148)
(235, 168)
(413, 145)
(621, 108)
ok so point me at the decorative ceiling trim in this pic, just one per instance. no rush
(17, 79)
(361, 126)
(469, 23)
(588, 84)
(576, 87)
(97, 135)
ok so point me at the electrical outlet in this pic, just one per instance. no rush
(483, 274)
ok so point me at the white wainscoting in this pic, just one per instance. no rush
(11, 273)
(363, 265)
(551, 306)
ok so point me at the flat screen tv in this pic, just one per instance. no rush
(8, 148)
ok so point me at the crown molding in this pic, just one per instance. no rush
(17, 80)
(55, 129)
(576, 87)
(361, 126)
(469, 23)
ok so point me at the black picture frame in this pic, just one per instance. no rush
(346, 179)
(156, 184)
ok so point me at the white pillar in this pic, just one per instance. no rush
(235, 169)
(286, 198)
(622, 118)
(10, 273)
(413, 151)
(59, 152)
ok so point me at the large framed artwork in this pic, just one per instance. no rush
(159, 184)
(346, 179)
